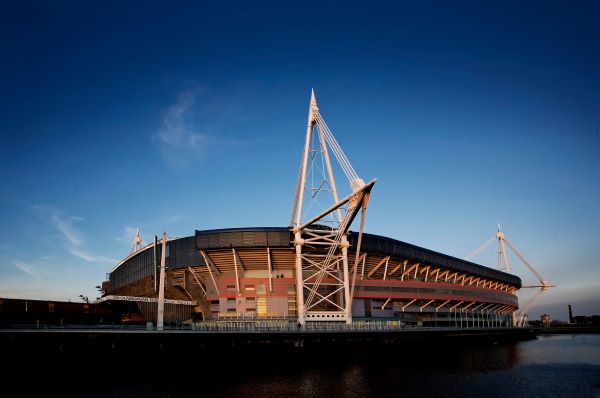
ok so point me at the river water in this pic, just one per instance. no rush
(548, 366)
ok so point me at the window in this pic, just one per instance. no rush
(230, 287)
(250, 288)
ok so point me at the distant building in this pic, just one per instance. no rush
(570, 314)
(587, 320)
(546, 320)
(48, 313)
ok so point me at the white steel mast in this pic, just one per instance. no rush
(322, 276)
(137, 242)
(502, 255)
(161, 289)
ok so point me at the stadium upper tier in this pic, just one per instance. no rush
(185, 252)
(375, 245)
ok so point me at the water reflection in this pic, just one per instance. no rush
(522, 369)
(553, 366)
(561, 349)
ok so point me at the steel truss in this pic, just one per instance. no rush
(518, 319)
(322, 273)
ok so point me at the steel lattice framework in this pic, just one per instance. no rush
(322, 277)
(518, 320)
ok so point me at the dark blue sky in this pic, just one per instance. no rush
(185, 115)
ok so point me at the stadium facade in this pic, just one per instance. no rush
(316, 269)
(250, 273)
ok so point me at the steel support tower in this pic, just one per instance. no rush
(323, 289)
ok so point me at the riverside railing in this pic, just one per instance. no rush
(290, 327)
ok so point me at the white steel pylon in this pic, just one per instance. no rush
(502, 249)
(161, 290)
(499, 236)
(502, 253)
(137, 242)
(322, 276)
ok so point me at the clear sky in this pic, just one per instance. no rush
(191, 115)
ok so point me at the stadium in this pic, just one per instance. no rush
(315, 270)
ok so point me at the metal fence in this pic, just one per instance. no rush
(287, 326)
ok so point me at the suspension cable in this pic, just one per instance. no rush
(337, 150)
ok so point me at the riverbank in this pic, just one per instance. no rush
(569, 330)
(106, 345)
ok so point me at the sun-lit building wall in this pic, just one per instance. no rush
(249, 273)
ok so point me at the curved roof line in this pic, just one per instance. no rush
(143, 249)
(221, 238)
(370, 242)
(388, 246)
